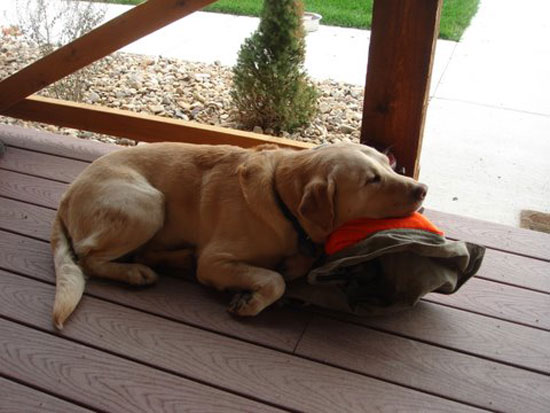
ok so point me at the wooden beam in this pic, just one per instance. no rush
(111, 36)
(138, 126)
(403, 38)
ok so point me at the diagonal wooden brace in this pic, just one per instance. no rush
(111, 36)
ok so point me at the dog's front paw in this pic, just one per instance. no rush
(244, 304)
(142, 275)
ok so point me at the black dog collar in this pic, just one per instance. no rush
(306, 246)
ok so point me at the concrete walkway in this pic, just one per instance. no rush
(486, 150)
(487, 139)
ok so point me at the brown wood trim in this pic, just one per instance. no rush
(138, 126)
(107, 38)
(402, 44)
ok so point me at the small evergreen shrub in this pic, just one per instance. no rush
(270, 86)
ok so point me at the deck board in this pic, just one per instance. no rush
(501, 237)
(170, 297)
(42, 165)
(201, 355)
(449, 327)
(38, 191)
(486, 347)
(53, 144)
(500, 301)
(516, 270)
(104, 381)
(469, 333)
(440, 371)
(26, 219)
(17, 398)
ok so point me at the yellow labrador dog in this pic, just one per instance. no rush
(242, 213)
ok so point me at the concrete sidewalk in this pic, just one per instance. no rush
(332, 52)
(487, 136)
(486, 150)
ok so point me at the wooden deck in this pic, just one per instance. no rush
(173, 347)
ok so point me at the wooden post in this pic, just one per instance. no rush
(403, 38)
(111, 36)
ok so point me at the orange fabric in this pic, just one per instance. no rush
(354, 231)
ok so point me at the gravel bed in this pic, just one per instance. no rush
(183, 90)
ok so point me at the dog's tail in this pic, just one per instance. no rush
(70, 280)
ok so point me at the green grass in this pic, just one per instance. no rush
(455, 16)
(346, 13)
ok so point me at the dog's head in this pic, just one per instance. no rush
(328, 186)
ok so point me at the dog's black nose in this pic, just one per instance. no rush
(420, 192)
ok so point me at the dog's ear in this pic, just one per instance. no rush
(316, 208)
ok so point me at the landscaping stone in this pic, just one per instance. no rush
(156, 108)
(347, 129)
(93, 97)
(187, 91)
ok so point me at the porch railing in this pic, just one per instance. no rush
(403, 38)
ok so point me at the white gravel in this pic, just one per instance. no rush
(183, 90)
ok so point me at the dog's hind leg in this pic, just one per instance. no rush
(103, 267)
(182, 259)
(127, 218)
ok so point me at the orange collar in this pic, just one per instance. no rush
(354, 231)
